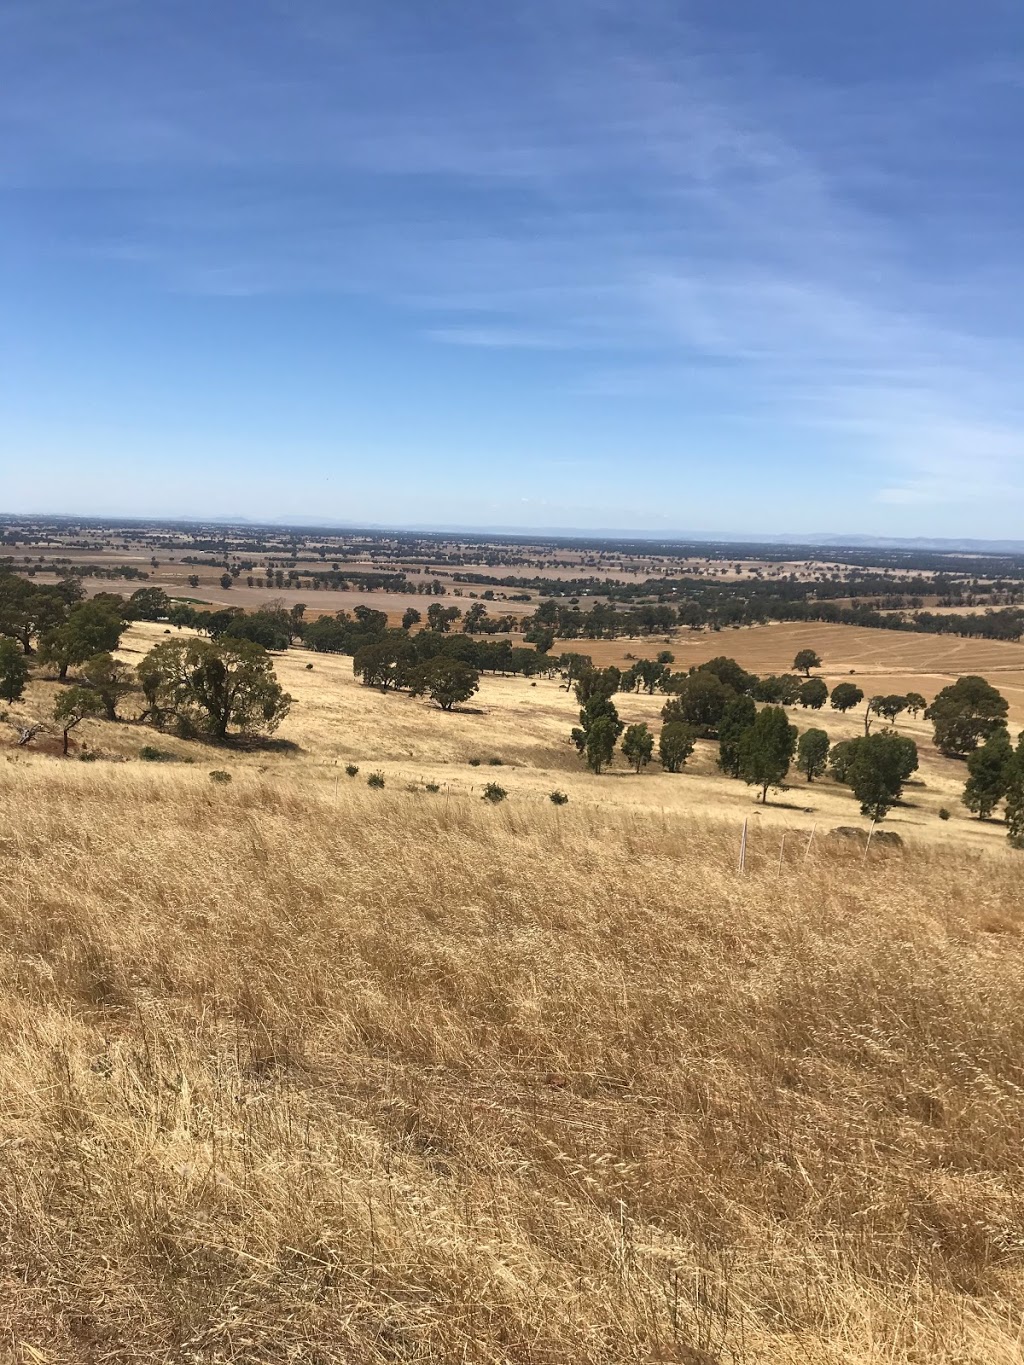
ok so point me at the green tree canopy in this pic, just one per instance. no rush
(890, 705)
(876, 767)
(813, 693)
(737, 718)
(1014, 778)
(766, 750)
(597, 682)
(147, 604)
(13, 670)
(216, 685)
(597, 708)
(845, 696)
(700, 700)
(109, 679)
(445, 680)
(989, 773)
(638, 745)
(73, 705)
(805, 660)
(915, 703)
(675, 745)
(390, 662)
(812, 753)
(92, 627)
(965, 713)
(600, 742)
(728, 671)
(440, 618)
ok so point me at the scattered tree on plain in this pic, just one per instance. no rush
(92, 627)
(766, 750)
(813, 693)
(598, 712)
(440, 618)
(541, 637)
(700, 700)
(109, 679)
(214, 685)
(13, 670)
(388, 663)
(445, 680)
(600, 742)
(989, 774)
(845, 696)
(875, 767)
(812, 753)
(805, 660)
(675, 745)
(728, 671)
(965, 713)
(915, 703)
(1015, 796)
(638, 745)
(889, 707)
(597, 682)
(72, 707)
(778, 690)
(737, 719)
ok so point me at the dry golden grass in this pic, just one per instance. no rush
(291, 1074)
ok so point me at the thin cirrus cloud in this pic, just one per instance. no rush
(670, 204)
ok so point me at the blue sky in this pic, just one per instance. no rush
(701, 266)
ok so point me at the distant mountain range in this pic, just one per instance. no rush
(812, 540)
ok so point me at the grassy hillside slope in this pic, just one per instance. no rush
(289, 1075)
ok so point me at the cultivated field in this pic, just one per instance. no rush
(879, 660)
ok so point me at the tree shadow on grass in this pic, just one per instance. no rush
(257, 744)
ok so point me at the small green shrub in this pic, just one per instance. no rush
(495, 762)
(375, 780)
(219, 775)
(474, 763)
(352, 769)
(149, 754)
(494, 793)
(309, 668)
(558, 798)
(943, 813)
(432, 786)
(87, 756)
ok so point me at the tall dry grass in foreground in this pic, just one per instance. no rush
(290, 1079)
